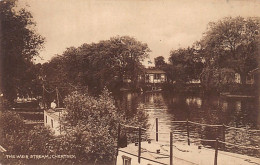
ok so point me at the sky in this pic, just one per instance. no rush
(164, 25)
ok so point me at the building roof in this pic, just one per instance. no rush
(157, 71)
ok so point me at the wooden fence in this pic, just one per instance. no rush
(188, 123)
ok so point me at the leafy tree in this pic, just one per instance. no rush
(19, 44)
(40, 140)
(10, 123)
(97, 65)
(159, 62)
(170, 73)
(129, 54)
(91, 126)
(216, 79)
(186, 65)
(17, 140)
(232, 43)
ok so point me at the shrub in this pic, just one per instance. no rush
(91, 126)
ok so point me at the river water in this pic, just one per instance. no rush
(235, 113)
(240, 115)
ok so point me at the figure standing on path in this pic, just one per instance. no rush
(53, 104)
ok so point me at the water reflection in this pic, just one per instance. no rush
(197, 101)
(241, 113)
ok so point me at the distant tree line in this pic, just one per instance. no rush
(97, 65)
(229, 46)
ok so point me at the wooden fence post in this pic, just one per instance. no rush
(216, 152)
(118, 138)
(59, 122)
(188, 131)
(171, 149)
(223, 135)
(157, 129)
(139, 146)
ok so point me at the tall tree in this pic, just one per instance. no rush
(99, 64)
(129, 55)
(159, 62)
(232, 43)
(19, 44)
(186, 65)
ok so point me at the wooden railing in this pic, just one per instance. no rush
(188, 123)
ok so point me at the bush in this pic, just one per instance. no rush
(17, 140)
(90, 132)
(91, 126)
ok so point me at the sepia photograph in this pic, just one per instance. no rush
(129, 82)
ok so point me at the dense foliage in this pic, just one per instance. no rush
(89, 131)
(17, 140)
(97, 65)
(231, 44)
(186, 65)
(19, 44)
(90, 126)
(159, 62)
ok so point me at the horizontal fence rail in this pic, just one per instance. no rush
(217, 143)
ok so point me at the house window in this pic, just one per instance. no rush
(162, 76)
(157, 76)
(126, 160)
(46, 119)
(237, 78)
(51, 123)
(147, 78)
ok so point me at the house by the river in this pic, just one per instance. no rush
(150, 79)
(153, 78)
